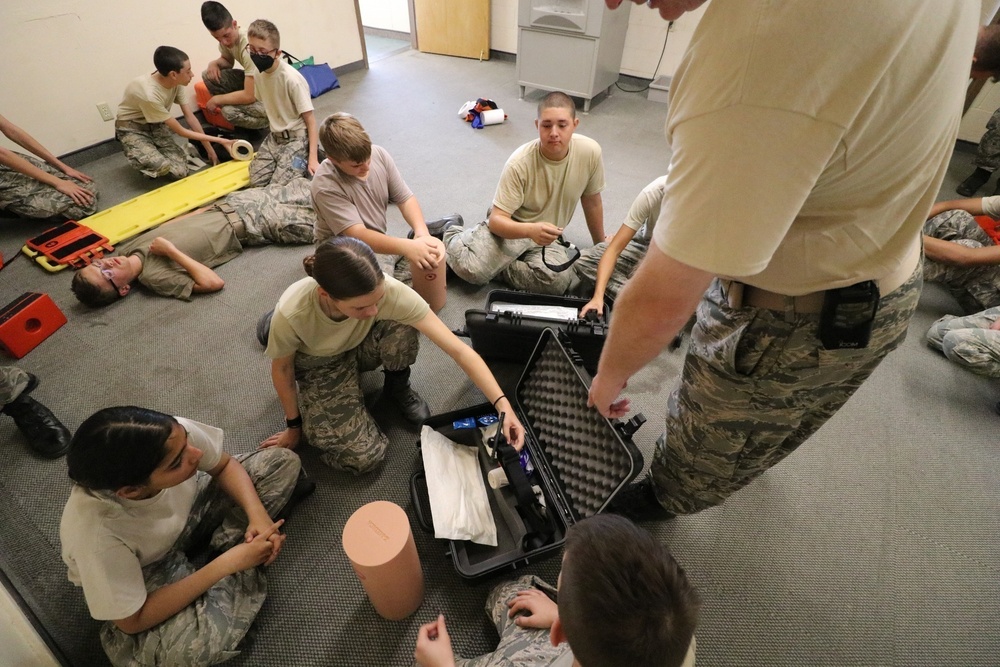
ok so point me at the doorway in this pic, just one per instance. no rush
(386, 28)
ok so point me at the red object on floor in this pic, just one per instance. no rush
(70, 243)
(990, 226)
(27, 321)
(214, 117)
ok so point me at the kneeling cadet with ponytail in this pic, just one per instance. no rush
(349, 317)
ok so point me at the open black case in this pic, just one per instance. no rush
(581, 460)
(506, 336)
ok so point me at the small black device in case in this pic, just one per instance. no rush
(848, 316)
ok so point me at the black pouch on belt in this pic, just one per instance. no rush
(848, 316)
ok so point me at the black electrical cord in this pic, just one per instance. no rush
(655, 69)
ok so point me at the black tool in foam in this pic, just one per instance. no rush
(528, 507)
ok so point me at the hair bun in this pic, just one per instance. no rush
(308, 264)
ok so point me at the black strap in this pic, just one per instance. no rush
(289, 57)
(527, 504)
(573, 251)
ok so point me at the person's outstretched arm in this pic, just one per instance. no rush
(477, 370)
(30, 144)
(12, 160)
(606, 267)
(197, 133)
(205, 279)
(647, 318)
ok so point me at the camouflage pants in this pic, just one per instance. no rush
(969, 341)
(208, 630)
(757, 383)
(477, 255)
(152, 148)
(251, 116)
(976, 287)
(12, 382)
(281, 214)
(988, 153)
(278, 161)
(520, 647)
(334, 418)
(24, 196)
(628, 261)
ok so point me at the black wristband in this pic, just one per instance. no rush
(294, 423)
(498, 400)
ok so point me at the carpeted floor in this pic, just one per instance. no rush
(874, 544)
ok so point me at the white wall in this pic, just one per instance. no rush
(386, 14)
(66, 56)
(974, 121)
(643, 42)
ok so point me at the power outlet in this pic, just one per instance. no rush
(105, 111)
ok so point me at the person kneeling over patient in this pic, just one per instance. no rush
(345, 318)
(604, 616)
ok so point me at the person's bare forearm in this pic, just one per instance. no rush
(609, 260)
(506, 227)
(205, 279)
(309, 118)
(974, 206)
(382, 244)
(414, 216)
(648, 315)
(283, 379)
(593, 213)
(167, 601)
(237, 97)
(14, 161)
(30, 144)
(234, 480)
(956, 254)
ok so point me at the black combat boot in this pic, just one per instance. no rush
(397, 389)
(45, 433)
(437, 227)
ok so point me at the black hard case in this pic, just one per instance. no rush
(512, 337)
(582, 459)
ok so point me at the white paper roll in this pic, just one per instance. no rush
(497, 478)
(241, 150)
(493, 116)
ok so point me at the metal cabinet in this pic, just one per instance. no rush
(574, 46)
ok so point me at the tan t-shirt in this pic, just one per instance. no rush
(342, 200)
(107, 540)
(533, 188)
(146, 101)
(806, 160)
(645, 209)
(300, 325)
(285, 95)
(206, 237)
(991, 206)
(237, 53)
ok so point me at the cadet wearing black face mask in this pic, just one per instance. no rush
(290, 151)
(263, 62)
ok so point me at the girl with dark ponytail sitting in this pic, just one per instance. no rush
(349, 317)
